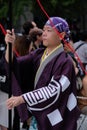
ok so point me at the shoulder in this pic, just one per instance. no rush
(38, 51)
(77, 43)
(64, 60)
(66, 57)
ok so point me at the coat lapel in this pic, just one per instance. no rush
(45, 62)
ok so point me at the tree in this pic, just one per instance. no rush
(70, 9)
(17, 9)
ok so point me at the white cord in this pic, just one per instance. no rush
(81, 97)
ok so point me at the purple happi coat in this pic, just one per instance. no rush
(53, 101)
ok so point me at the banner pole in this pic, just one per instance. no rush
(10, 64)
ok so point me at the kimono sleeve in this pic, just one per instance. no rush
(58, 89)
(23, 70)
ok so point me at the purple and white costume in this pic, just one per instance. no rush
(53, 101)
(51, 84)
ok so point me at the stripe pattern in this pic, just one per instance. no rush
(43, 94)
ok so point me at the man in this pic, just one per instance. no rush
(36, 38)
(81, 48)
(53, 101)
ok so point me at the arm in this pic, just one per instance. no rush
(9, 38)
(46, 96)
(43, 97)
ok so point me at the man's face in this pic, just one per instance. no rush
(50, 37)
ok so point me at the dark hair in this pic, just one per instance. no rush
(34, 33)
(22, 44)
(27, 26)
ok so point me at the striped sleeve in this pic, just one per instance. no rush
(46, 96)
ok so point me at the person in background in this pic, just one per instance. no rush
(4, 86)
(81, 85)
(53, 100)
(81, 48)
(27, 26)
(36, 37)
(4, 91)
(22, 45)
(2, 44)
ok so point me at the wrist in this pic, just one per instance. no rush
(21, 100)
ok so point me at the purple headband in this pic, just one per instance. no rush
(61, 25)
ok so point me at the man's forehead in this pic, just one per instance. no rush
(47, 27)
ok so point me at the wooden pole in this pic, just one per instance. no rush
(10, 63)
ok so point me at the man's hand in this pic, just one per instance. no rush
(9, 38)
(14, 101)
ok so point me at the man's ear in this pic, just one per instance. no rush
(62, 35)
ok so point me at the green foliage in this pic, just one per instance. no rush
(65, 8)
(68, 2)
(3, 10)
(17, 8)
(54, 2)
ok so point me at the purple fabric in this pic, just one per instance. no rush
(60, 24)
(39, 105)
(16, 91)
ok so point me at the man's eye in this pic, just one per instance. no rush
(49, 30)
